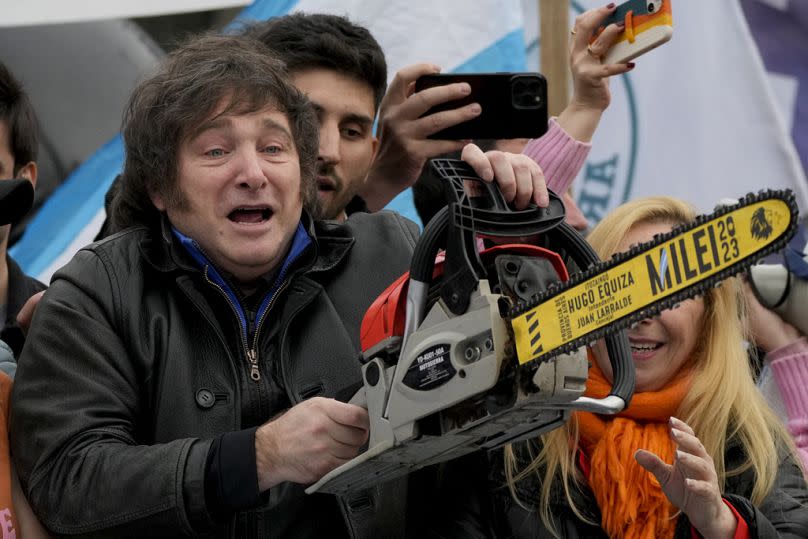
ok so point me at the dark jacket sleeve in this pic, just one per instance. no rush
(75, 420)
(456, 501)
(784, 512)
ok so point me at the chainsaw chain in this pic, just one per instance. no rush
(668, 302)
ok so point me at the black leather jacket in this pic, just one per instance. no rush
(135, 363)
(784, 512)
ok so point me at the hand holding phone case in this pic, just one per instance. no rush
(649, 23)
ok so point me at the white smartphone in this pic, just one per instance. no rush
(649, 24)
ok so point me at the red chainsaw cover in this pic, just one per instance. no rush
(386, 316)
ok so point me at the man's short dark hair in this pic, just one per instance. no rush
(316, 40)
(168, 107)
(17, 113)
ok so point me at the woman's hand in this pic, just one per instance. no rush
(590, 76)
(691, 483)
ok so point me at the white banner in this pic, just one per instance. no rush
(696, 119)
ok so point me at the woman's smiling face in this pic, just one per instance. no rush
(659, 346)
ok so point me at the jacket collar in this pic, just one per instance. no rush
(300, 242)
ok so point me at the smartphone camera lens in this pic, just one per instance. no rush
(526, 93)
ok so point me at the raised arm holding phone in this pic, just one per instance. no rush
(404, 129)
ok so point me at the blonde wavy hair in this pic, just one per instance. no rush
(722, 404)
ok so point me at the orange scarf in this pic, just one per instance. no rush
(631, 501)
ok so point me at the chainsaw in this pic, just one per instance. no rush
(475, 349)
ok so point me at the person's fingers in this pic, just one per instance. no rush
(431, 124)
(504, 174)
(677, 423)
(652, 463)
(690, 444)
(342, 451)
(610, 70)
(345, 414)
(420, 102)
(349, 436)
(686, 441)
(696, 467)
(540, 195)
(474, 156)
(606, 38)
(587, 22)
(399, 87)
(524, 184)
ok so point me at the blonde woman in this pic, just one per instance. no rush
(697, 451)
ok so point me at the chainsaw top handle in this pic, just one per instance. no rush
(456, 227)
(466, 217)
(486, 213)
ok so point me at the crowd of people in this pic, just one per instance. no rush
(186, 374)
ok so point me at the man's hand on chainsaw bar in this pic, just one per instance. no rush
(519, 177)
(308, 441)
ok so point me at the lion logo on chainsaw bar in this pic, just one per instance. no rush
(761, 227)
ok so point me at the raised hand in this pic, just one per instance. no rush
(590, 76)
(403, 143)
(691, 483)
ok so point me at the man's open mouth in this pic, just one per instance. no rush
(325, 184)
(250, 215)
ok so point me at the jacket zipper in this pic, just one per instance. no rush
(252, 354)
(254, 373)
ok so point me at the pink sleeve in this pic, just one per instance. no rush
(559, 155)
(790, 367)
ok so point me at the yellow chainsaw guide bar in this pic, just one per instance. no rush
(653, 276)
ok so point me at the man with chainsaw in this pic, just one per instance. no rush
(183, 376)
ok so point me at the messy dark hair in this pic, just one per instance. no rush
(17, 113)
(312, 40)
(171, 105)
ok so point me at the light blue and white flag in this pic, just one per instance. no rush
(696, 119)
